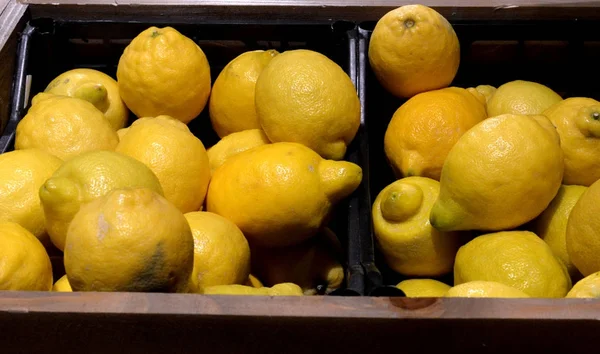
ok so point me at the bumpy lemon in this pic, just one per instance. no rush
(519, 259)
(410, 245)
(500, 174)
(233, 144)
(424, 129)
(588, 287)
(62, 285)
(279, 194)
(485, 289)
(84, 178)
(583, 231)
(64, 126)
(174, 154)
(423, 288)
(577, 121)
(24, 263)
(221, 252)
(162, 72)
(304, 97)
(551, 225)
(95, 87)
(414, 49)
(521, 97)
(284, 289)
(129, 240)
(231, 105)
(22, 173)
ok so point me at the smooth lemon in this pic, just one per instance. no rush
(521, 97)
(423, 288)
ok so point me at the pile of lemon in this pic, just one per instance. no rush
(518, 166)
(145, 207)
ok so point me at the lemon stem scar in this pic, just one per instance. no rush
(595, 115)
(401, 202)
(409, 23)
(155, 34)
(96, 94)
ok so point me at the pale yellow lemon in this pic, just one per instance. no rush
(521, 97)
(588, 287)
(485, 289)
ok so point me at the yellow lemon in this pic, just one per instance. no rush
(95, 87)
(62, 285)
(129, 240)
(521, 97)
(64, 126)
(588, 287)
(551, 225)
(577, 121)
(304, 97)
(284, 289)
(423, 288)
(22, 173)
(174, 154)
(500, 174)
(414, 49)
(485, 289)
(231, 105)
(519, 259)
(254, 282)
(424, 129)
(583, 231)
(24, 263)
(162, 72)
(487, 91)
(221, 252)
(314, 265)
(403, 233)
(280, 194)
(84, 178)
(233, 144)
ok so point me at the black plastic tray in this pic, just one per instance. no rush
(47, 48)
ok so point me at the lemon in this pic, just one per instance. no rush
(588, 287)
(279, 194)
(423, 288)
(233, 144)
(162, 72)
(403, 233)
(583, 231)
(84, 178)
(551, 225)
(174, 154)
(500, 174)
(254, 282)
(314, 265)
(304, 97)
(231, 104)
(485, 289)
(414, 49)
(521, 97)
(22, 173)
(24, 263)
(487, 91)
(577, 122)
(519, 259)
(284, 289)
(64, 126)
(62, 285)
(95, 87)
(221, 252)
(129, 240)
(413, 140)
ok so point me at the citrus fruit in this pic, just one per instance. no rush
(424, 129)
(284, 289)
(521, 97)
(280, 194)
(233, 144)
(95, 87)
(423, 288)
(403, 232)
(414, 49)
(84, 178)
(500, 174)
(519, 259)
(129, 240)
(65, 127)
(163, 72)
(588, 287)
(254, 282)
(304, 97)
(583, 231)
(62, 285)
(485, 289)
(174, 154)
(231, 104)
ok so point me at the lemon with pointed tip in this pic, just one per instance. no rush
(521, 97)
(254, 282)
(233, 144)
(423, 288)
(588, 287)
(62, 285)
(410, 245)
(485, 289)
(280, 194)
(95, 87)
